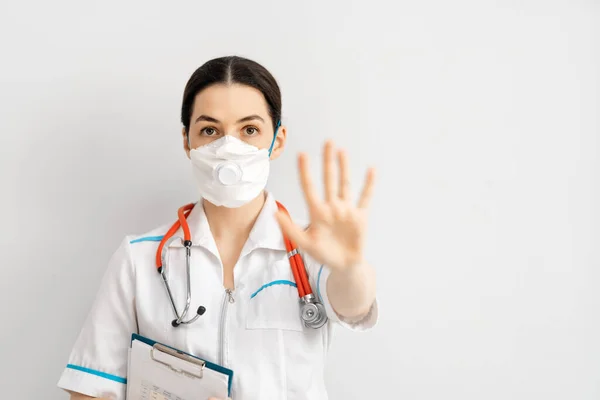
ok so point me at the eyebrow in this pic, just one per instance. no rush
(250, 118)
(206, 118)
(216, 121)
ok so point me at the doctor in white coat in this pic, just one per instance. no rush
(240, 271)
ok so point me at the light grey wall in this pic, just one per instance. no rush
(481, 116)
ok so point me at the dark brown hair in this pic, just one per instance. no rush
(230, 70)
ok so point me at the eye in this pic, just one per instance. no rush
(251, 130)
(208, 131)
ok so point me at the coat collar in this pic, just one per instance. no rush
(265, 233)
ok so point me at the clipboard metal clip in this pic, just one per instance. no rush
(180, 355)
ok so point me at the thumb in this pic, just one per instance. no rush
(292, 231)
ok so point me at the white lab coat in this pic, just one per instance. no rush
(260, 336)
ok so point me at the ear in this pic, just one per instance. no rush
(279, 144)
(186, 144)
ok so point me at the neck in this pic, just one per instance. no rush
(227, 223)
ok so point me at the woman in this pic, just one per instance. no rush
(240, 271)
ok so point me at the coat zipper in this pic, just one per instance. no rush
(227, 299)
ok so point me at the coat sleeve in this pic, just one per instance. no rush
(318, 275)
(97, 365)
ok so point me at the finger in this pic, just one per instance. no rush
(367, 192)
(329, 172)
(310, 194)
(344, 190)
(292, 231)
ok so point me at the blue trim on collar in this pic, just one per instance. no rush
(147, 239)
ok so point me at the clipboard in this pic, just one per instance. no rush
(156, 370)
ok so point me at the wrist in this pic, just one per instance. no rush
(352, 271)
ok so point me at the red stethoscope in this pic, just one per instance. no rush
(312, 312)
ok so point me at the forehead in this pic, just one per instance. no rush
(221, 101)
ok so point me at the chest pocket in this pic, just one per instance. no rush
(274, 301)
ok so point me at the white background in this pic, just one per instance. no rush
(481, 117)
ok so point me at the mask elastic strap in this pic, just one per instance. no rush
(274, 137)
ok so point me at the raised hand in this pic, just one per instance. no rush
(337, 229)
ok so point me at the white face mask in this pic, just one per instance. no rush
(229, 171)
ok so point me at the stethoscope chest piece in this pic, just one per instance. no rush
(312, 313)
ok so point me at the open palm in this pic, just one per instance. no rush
(336, 233)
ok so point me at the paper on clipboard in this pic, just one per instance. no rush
(158, 372)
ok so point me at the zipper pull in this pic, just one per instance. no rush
(230, 295)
